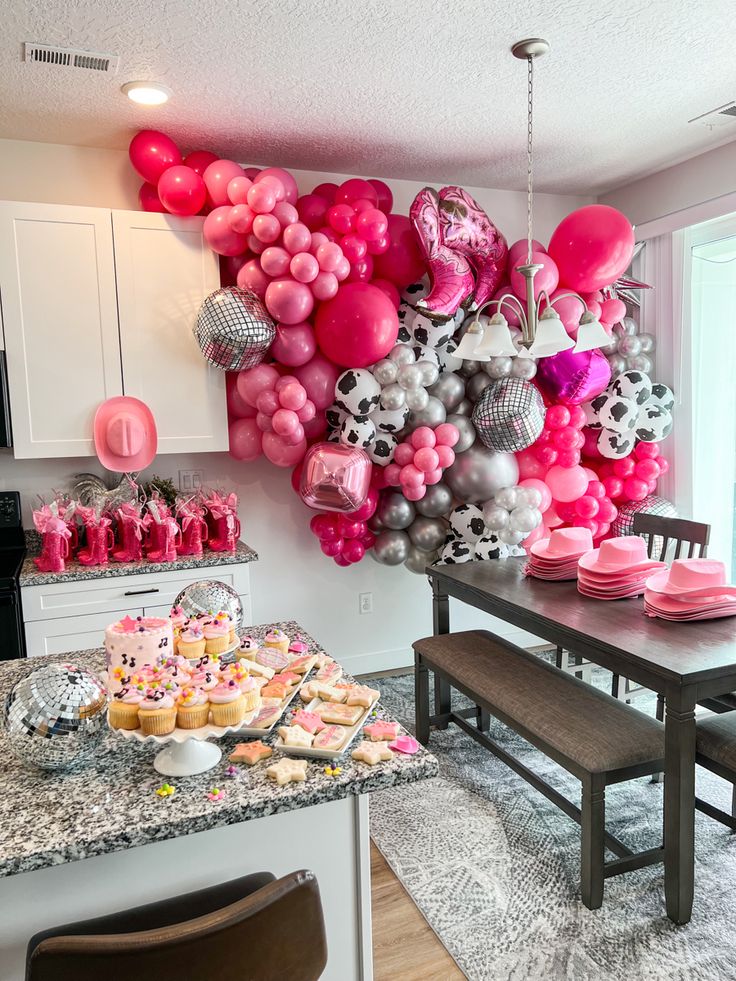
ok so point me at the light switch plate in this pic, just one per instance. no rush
(190, 481)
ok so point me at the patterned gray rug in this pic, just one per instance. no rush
(494, 868)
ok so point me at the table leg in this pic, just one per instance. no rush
(679, 803)
(441, 625)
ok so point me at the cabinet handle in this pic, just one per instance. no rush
(140, 592)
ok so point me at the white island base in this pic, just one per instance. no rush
(330, 839)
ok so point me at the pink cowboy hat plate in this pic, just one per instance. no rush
(125, 434)
(692, 579)
(617, 556)
(563, 545)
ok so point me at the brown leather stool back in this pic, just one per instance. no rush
(274, 934)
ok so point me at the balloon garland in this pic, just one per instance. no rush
(398, 447)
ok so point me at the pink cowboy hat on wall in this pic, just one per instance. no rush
(125, 434)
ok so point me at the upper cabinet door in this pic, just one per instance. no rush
(164, 271)
(57, 288)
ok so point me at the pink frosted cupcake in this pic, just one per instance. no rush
(191, 642)
(205, 679)
(248, 648)
(216, 634)
(153, 675)
(224, 617)
(157, 712)
(251, 693)
(179, 619)
(192, 708)
(278, 639)
(177, 668)
(226, 701)
(124, 704)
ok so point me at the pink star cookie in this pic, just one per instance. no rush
(308, 720)
(379, 731)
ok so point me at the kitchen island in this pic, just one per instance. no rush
(98, 839)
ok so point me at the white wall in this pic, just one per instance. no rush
(292, 580)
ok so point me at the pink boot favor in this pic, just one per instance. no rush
(225, 527)
(193, 528)
(55, 537)
(100, 538)
(164, 534)
(130, 534)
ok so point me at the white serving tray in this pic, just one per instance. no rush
(325, 754)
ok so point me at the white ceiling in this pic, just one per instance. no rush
(395, 88)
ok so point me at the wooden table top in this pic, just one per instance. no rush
(682, 652)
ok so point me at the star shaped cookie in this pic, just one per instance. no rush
(287, 770)
(250, 753)
(308, 720)
(362, 695)
(295, 736)
(380, 731)
(372, 753)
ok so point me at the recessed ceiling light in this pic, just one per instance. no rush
(146, 93)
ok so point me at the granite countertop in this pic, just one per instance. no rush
(108, 803)
(31, 576)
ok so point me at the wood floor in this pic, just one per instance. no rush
(404, 946)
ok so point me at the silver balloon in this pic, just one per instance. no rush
(509, 537)
(495, 517)
(234, 330)
(477, 385)
(432, 415)
(524, 519)
(529, 496)
(430, 372)
(629, 346)
(394, 511)
(393, 397)
(466, 429)
(464, 408)
(402, 354)
(626, 326)
(610, 348)
(648, 343)
(509, 498)
(210, 596)
(449, 389)
(641, 363)
(386, 372)
(469, 368)
(55, 716)
(417, 399)
(391, 548)
(417, 560)
(479, 473)
(623, 524)
(524, 368)
(427, 533)
(436, 502)
(499, 367)
(618, 365)
(410, 376)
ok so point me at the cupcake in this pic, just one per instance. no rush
(223, 617)
(234, 672)
(122, 712)
(157, 712)
(216, 634)
(251, 693)
(226, 702)
(248, 648)
(191, 641)
(278, 639)
(192, 708)
(152, 675)
(179, 620)
(208, 662)
(205, 679)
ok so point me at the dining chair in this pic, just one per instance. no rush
(255, 928)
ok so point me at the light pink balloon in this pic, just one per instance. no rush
(342, 271)
(252, 277)
(293, 396)
(219, 235)
(217, 177)
(241, 219)
(255, 244)
(404, 454)
(261, 199)
(543, 489)
(285, 213)
(268, 401)
(304, 267)
(293, 345)
(266, 228)
(275, 184)
(613, 311)
(566, 483)
(289, 302)
(317, 239)
(307, 411)
(518, 254)
(237, 189)
(275, 261)
(284, 422)
(546, 279)
(280, 453)
(319, 376)
(295, 436)
(534, 536)
(411, 475)
(297, 238)
(245, 439)
(414, 493)
(265, 422)
(329, 256)
(426, 459)
(446, 434)
(570, 309)
(285, 380)
(324, 286)
(252, 381)
(445, 455)
(237, 407)
(289, 184)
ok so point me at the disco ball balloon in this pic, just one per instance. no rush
(623, 523)
(234, 330)
(55, 716)
(208, 596)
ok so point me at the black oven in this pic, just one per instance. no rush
(12, 555)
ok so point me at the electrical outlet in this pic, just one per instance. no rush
(365, 602)
(190, 480)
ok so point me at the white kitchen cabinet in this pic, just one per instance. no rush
(60, 317)
(164, 271)
(98, 303)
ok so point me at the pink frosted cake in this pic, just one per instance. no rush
(133, 643)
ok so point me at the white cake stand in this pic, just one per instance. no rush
(186, 752)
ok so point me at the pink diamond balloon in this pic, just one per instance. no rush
(335, 477)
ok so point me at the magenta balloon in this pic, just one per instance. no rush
(353, 247)
(402, 262)
(285, 213)
(328, 190)
(319, 376)
(278, 451)
(389, 289)
(245, 439)
(371, 224)
(199, 160)
(518, 251)
(217, 177)
(335, 477)
(290, 188)
(252, 277)
(569, 308)
(237, 407)
(566, 483)
(312, 211)
(385, 197)
(357, 327)
(573, 378)
(148, 198)
(293, 345)
(354, 189)
(275, 261)
(151, 153)
(252, 381)
(324, 286)
(181, 191)
(237, 189)
(219, 235)
(288, 301)
(592, 247)
(546, 279)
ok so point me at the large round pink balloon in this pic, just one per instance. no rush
(292, 191)
(312, 211)
(518, 251)
(245, 439)
(566, 483)
(181, 190)
(148, 198)
(278, 451)
(252, 277)
(293, 345)
(546, 278)
(288, 301)
(358, 326)
(219, 235)
(592, 247)
(252, 381)
(402, 261)
(151, 153)
(199, 160)
(217, 177)
(319, 376)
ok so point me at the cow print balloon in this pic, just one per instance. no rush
(357, 431)
(654, 423)
(382, 449)
(391, 420)
(455, 552)
(428, 332)
(335, 416)
(615, 445)
(466, 520)
(490, 547)
(662, 396)
(633, 385)
(357, 392)
(618, 413)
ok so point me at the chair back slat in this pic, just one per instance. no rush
(677, 531)
(678, 549)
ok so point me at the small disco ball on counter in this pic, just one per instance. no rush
(210, 596)
(55, 716)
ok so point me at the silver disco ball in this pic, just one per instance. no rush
(234, 330)
(55, 716)
(210, 596)
(623, 523)
(509, 415)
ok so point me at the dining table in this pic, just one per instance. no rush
(684, 662)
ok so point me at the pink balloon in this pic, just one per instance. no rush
(245, 439)
(371, 224)
(255, 244)
(361, 271)
(181, 191)
(402, 262)
(368, 508)
(329, 256)
(241, 218)
(304, 267)
(252, 381)
(543, 489)
(261, 199)
(414, 493)
(411, 475)
(447, 434)
(426, 459)
(284, 422)
(148, 198)
(252, 277)
(275, 261)
(297, 238)
(569, 309)
(264, 422)
(315, 240)
(385, 197)
(293, 396)
(592, 247)
(199, 160)
(237, 189)
(275, 184)
(613, 311)
(379, 245)
(357, 327)
(341, 218)
(404, 454)
(319, 377)
(353, 551)
(278, 451)
(312, 211)
(219, 235)
(151, 153)
(353, 247)
(329, 233)
(546, 279)
(266, 228)
(518, 251)
(389, 289)
(289, 302)
(324, 286)
(217, 177)
(251, 172)
(354, 189)
(508, 308)
(573, 378)
(327, 191)
(237, 407)
(285, 213)
(423, 436)
(307, 412)
(335, 477)
(534, 536)
(289, 184)
(566, 483)
(267, 402)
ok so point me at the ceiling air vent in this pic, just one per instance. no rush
(716, 117)
(51, 54)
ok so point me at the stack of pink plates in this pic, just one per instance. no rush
(619, 569)
(693, 589)
(557, 557)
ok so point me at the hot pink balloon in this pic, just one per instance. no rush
(252, 277)
(288, 301)
(312, 211)
(385, 197)
(328, 190)
(266, 228)
(546, 279)
(181, 191)
(199, 160)
(354, 189)
(217, 177)
(389, 289)
(566, 483)
(297, 238)
(543, 489)
(592, 247)
(357, 327)
(219, 235)
(573, 378)
(324, 286)
(402, 262)
(613, 311)
(518, 251)
(304, 267)
(275, 261)
(288, 182)
(285, 213)
(245, 439)
(361, 271)
(371, 224)
(252, 381)
(237, 407)
(341, 218)
(151, 153)
(148, 198)
(319, 376)
(379, 245)
(367, 508)
(569, 308)
(353, 247)
(335, 477)
(237, 189)
(280, 452)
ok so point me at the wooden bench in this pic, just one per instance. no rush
(592, 735)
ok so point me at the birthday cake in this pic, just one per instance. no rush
(132, 643)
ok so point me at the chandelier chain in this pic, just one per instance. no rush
(529, 154)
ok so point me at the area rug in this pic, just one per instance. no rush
(494, 867)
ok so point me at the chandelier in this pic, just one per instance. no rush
(542, 331)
